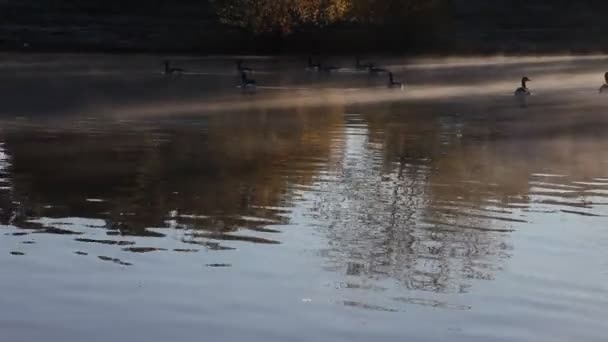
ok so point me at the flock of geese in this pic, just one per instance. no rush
(249, 84)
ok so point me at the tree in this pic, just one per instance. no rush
(389, 12)
(281, 16)
(285, 16)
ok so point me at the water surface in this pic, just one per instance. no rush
(323, 208)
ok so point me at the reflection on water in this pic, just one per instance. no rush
(470, 219)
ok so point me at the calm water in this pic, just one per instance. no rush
(136, 207)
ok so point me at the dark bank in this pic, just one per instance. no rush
(412, 26)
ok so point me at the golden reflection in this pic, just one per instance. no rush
(218, 174)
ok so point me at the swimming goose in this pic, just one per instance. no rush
(375, 70)
(523, 90)
(241, 68)
(392, 83)
(169, 70)
(604, 87)
(247, 83)
(329, 69)
(360, 66)
(313, 66)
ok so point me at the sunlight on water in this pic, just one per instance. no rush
(166, 209)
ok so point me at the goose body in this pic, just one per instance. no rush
(169, 70)
(330, 68)
(375, 70)
(523, 90)
(247, 83)
(313, 66)
(604, 87)
(392, 83)
(360, 66)
(241, 68)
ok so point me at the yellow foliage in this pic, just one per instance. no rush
(281, 16)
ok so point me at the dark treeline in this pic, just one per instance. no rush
(304, 26)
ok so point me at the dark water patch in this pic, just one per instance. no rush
(219, 265)
(142, 233)
(131, 230)
(581, 213)
(264, 230)
(143, 249)
(115, 260)
(241, 238)
(214, 246)
(57, 231)
(106, 242)
(186, 250)
(257, 224)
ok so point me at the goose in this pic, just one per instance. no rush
(169, 70)
(523, 90)
(360, 66)
(247, 83)
(329, 69)
(313, 66)
(375, 70)
(392, 83)
(604, 87)
(241, 68)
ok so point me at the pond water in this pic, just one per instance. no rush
(141, 207)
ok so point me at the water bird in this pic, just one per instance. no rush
(392, 83)
(247, 83)
(169, 70)
(360, 66)
(329, 68)
(241, 68)
(375, 70)
(523, 90)
(313, 66)
(604, 87)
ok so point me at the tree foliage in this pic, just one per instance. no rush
(390, 12)
(285, 16)
(281, 16)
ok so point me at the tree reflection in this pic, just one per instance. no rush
(404, 192)
(382, 208)
(217, 174)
